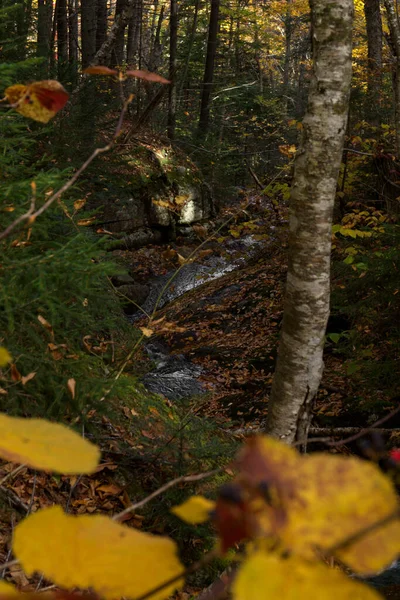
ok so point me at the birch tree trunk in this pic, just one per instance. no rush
(306, 309)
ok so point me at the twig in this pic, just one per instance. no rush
(31, 214)
(8, 564)
(192, 569)
(218, 586)
(11, 474)
(164, 488)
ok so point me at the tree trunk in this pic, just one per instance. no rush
(45, 17)
(394, 28)
(103, 55)
(62, 37)
(288, 47)
(101, 28)
(73, 38)
(209, 68)
(173, 44)
(119, 48)
(190, 48)
(306, 308)
(133, 33)
(88, 31)
(373, 22)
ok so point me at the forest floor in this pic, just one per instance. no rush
(229, 327)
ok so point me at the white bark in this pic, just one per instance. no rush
(317, 163)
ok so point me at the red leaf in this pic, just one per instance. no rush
(100, 70)
(50, 94)
(147, 76)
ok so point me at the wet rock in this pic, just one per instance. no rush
(132, 295)
(141, 237)
(173, 376)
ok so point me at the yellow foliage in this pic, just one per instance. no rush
(6, 589)
(47, 446)
(266, 575)
(195, 510)
(40, 100)
(318, 501)
(95, 552)
(5, 357)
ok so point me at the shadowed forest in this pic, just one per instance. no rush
(199, 244)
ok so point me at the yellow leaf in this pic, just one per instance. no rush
(265, 575)
(180, 200)
(71, 385)
(147, 332)
(95, 552)
(40, 100)
(195, 510)
(24, 380)
(321, 500)
(47, 446)
(86, 222)
(79, 203)
(5, 357)
(336, 497)
(6, 589)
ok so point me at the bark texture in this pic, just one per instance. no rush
(173, 46)
(317, 163)
(209, 68)
(394, 28)
(88, 31)
(373, 20)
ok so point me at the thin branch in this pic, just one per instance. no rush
(164, 488)
(31, 214)
(8, 564)
(207, 558)
(11, 474)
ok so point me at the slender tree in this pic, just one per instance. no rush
(306, 308)
(45, 17)
(62, 37)
(119, 49)
(208, 79)
(101, 23)
(373, 22)
(88, 31)
(173, 46)
(394, 28)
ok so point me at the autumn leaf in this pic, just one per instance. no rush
(100, 70)
(15, 374)
(46, 324)
(147, 76)
(147, 332)
(195, 510)
(316, 502)
(71, 385)
(47, 446)
(39, 101)
(6, 589)
(29, 377)
(78, 204)
(266, 575)
(5, 357)
(96, 552)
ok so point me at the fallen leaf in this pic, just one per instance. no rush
(146, 331)
(46, 324)
(195, 510)
(71, 385)
(27, 378)
(5, 357)
(15, 374)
